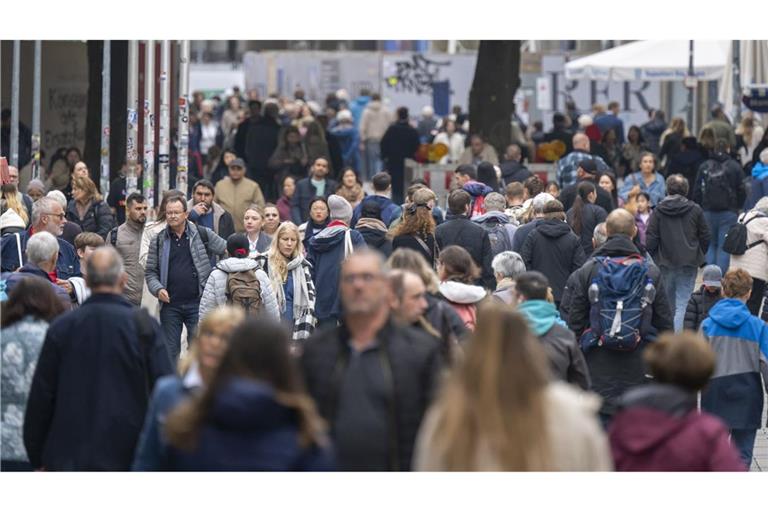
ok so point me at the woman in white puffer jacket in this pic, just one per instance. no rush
(755, 260)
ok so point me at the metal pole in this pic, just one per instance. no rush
(105, 92)
(14, 160)
(132, 133)
(149, 123)
(736, 81)
(36, 114)
(183, 128)
(690, 88)
(164, 142)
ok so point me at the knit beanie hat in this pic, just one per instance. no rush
(340, 208)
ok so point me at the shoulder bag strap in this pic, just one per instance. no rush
(18, 248)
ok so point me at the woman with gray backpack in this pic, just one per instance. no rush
(239, 282)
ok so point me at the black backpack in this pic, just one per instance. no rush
(499, 237)
(736, 238)
(716, 191)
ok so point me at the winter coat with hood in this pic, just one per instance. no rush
(389, 210)
(755, 260)
(565, 356)
(734, 176)
(740, 342)
(464, 298)
(555, 251)
(613, 372)
(67, 265)
(576, 441)
(375, 121)
(677, 234)
(215, 292)
(98, 218)
(659, 428)
(699, 304)
(326, 252)
(414, 361)
(374, 233)
(248, 429)
(459, 230)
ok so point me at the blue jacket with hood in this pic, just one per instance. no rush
(740, 342)
(326, 252)
(389, 210)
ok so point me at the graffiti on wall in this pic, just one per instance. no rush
(66, 107)
(416, 75)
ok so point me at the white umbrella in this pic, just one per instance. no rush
(653, 60)
(753, 60)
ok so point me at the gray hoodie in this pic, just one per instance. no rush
(215, 292)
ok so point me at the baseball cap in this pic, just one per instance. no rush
(712, 276)
(237, 162)
(589, 166)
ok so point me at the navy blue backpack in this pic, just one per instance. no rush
(619, 295)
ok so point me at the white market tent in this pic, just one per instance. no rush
(653, 60)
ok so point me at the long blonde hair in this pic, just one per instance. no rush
(496, 395)
(277, 263)
(11, 201)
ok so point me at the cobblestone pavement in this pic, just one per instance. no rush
(760, 456)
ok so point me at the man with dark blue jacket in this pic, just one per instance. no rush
(96, 370)
(47, 215)
(327, 250)
(317, 184)
(382, 193)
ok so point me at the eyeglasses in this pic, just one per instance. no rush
(59, 215)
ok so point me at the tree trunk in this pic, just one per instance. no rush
(492, 97)
(117, 108)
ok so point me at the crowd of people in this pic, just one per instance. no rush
(307, 309)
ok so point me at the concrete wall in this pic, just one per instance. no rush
(64, 90)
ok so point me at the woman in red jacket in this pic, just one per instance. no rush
(659, 427)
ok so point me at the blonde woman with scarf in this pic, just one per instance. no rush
(289, 272)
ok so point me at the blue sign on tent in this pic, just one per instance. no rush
(757, 98)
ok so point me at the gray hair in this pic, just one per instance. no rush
(495, 202)
(508, 264)
(599, 234)
(42, 247)
(540, 201)
(43, 206)
(762, 205)
(105, 267)
(59, 196)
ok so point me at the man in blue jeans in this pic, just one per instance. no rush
(677, 239)
(719, 189)
(178, 265)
